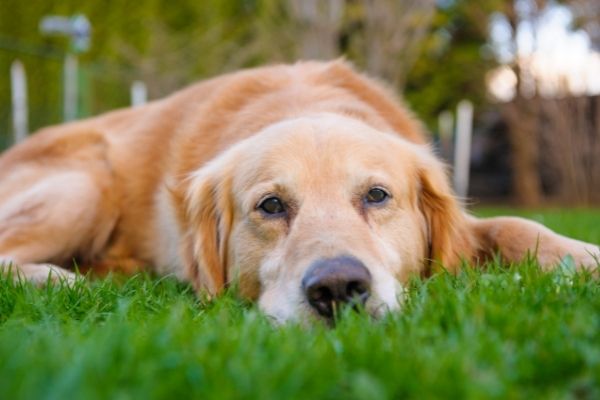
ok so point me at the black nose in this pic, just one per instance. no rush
(332, 282)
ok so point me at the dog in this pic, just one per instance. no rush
(310, 185)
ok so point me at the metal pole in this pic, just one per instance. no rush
(18, 85)
(70, 88)
(139, 93)
(446, 128)
(462, 150)
(78, 28)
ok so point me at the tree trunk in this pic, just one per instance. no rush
(319, 25)
(522, 118)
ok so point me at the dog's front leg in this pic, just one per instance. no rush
(514, 238)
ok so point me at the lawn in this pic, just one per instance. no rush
(502, 332)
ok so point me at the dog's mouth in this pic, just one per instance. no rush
(330, 314)
(337, 312)
(331, 289)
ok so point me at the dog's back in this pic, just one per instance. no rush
(121, 159)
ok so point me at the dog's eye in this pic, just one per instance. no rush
(376, 195)
(272, 205)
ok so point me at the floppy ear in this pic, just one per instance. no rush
(448, 232)
(207, 218)
(514, 238)
(454, 236)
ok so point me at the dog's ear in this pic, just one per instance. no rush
(449, 235)
(514, 238)
(207, 217)
(454, 236)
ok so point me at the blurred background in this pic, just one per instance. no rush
(523, 76)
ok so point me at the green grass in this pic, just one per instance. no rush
(496, 333)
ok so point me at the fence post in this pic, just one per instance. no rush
(139, 93)
(462, 149)
(18, 85)
(78, 28)
(446, 128)
(70, 88)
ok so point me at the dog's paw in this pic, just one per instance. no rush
(42, 274)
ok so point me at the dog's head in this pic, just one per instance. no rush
(315, 212)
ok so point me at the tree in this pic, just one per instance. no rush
(393, 35)
(318, 25)
(453, 61)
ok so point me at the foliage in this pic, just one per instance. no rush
(165, 46)
(168, 47)
(454, 60)
(495, 332)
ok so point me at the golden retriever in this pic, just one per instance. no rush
(309, 184)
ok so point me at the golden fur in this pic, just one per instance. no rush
(174, 185)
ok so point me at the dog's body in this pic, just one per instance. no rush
(271, 175)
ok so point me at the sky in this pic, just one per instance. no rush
(555, 55)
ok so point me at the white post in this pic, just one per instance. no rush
(139, 93)
(462, 149)
(18, 85)
(70, 88)
(78, 28)
(446, 128)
